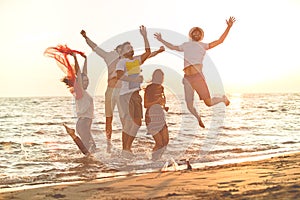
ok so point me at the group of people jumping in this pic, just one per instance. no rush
(124, 84)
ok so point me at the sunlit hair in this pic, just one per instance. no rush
(67, 81)
(198, 29)
(60, 53)
(124, 44)
(158, 76)
(123, 47)
(120, 46)
(119, 49)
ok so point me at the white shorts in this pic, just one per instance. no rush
(111, 100)
(155, 119)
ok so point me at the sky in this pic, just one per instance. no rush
(260, 53)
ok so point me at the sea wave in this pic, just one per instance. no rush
(36, 149)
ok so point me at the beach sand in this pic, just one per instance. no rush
(274, 178)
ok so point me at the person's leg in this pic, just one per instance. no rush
(109, 107)
(128, 126)
(189, 99)
(129, 134)
(165, 135)
(128, 139)
(198, 83)
(136, 108)
(83, 128)
(116, 96)
(161, 140)
(215, 100)
(135, 121)
(129, 142)
(77, 140)
(70, 131)
(158, 141)
(124, 107)
(124, 140)
(108, 127)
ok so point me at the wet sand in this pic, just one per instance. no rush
(275, 178)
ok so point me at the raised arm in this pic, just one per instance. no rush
(77, 70)
(93, 45)
(167, 44)
(154, 53)
(84, 69)
(76, 67)
(229, 22)
(147, 53)
(78, 88)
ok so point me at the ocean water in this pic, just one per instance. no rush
(35, 149)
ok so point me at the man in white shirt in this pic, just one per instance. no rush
(111, 59)
(128, 70)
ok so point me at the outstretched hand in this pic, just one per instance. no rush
(230, 21)
(143, 30)
(161, 101)
(161, 49)
(83, 33)
(158, 36)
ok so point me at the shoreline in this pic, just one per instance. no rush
(132, 171)
(274, 178)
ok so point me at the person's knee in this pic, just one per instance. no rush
(208, 102)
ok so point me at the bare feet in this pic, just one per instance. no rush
(156, 154)
(201, 124)
(226, 100)
(83, 33)
(127, 154)
(69, 130)
(161, 49)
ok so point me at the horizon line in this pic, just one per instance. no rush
(99, 95)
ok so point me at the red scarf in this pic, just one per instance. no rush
(60, 54)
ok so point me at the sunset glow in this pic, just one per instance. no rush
(259, 54)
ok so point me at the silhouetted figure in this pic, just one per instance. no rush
(154, 102)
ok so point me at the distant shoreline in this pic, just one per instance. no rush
(102, 95)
